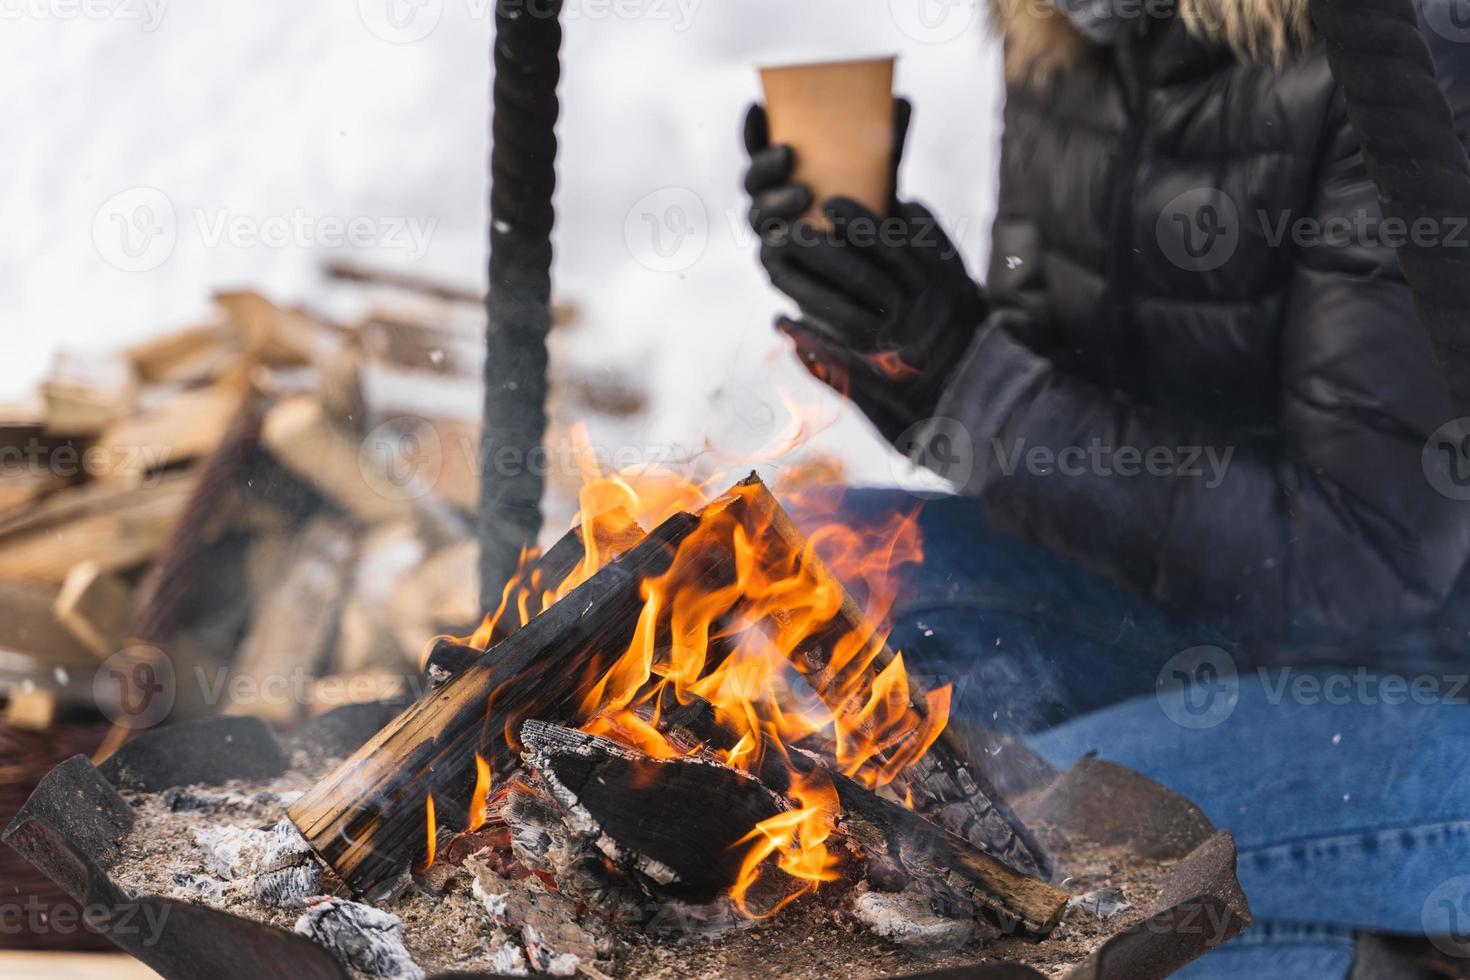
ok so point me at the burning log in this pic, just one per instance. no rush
(946, 787)
(367, 818)
(585, 660)
(677, 825)
(615, 534)
(904, 851)
(675, 821)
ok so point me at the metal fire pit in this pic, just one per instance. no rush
(72, 826)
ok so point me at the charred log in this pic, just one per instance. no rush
(674, 821)
(903, 850)
(367, 819)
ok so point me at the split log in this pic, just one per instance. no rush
(388, 556)
(84, 394)
(901, 848)
(441, 595)
(95, 607)
(119, 528)
(33, 709)
(562, 313)
(188, 356)
(299, 435)
(367, 819)
(294, 624)
(180, 429)
(272, 334)
(28, 626)
(28, 451)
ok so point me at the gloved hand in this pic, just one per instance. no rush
(887, 306)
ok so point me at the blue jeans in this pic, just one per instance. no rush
(1348, 792)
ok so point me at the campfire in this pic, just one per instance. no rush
(700, 713)
(677, 746)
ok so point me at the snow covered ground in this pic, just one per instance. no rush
(159, 149)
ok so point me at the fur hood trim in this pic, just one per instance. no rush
(1040, 40)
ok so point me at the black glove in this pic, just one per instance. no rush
(887, 306)
(884, 323)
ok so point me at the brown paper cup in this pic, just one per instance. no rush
(838, 117)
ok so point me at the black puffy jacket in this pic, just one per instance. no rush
(1159, 296)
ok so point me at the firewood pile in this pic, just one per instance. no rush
(271, 507)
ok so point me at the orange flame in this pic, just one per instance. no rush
(431, 839)
(480, 798)
(797, 838)
(749, 619)
(740, 641)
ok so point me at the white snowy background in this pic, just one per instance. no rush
(205, 124)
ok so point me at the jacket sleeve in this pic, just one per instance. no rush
(1325, 527)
